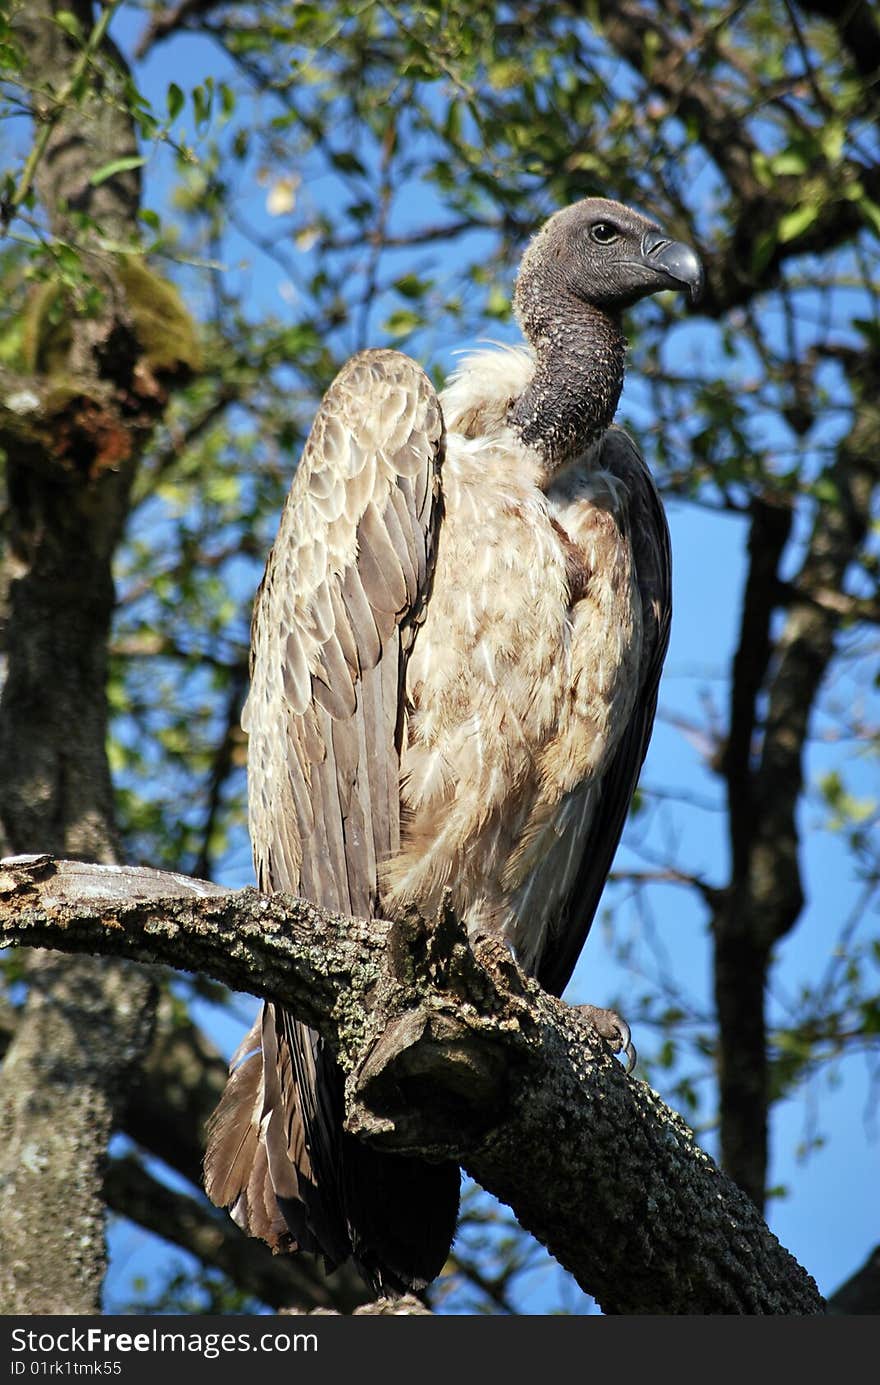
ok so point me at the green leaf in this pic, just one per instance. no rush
(106, 171)
(869, 329)
(347, 162)
(66, 20)
(790, 162)
(794, 223)
(175, 101)
(832, 139)
(871, 212)
(402, 322)
(411, 286)
(827, 492)
(202, 99)
(452, 130)
(760, 164)
(10, 58)
(870, 1012)
(498, 302)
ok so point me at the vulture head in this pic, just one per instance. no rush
(585, 265)
(602, 254)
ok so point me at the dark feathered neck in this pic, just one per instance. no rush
(574, 391)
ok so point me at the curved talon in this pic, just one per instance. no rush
(627, 1047)
(613, 1029)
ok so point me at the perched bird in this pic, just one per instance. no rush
(455, 656)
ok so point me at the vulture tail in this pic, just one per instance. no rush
(280, 1161)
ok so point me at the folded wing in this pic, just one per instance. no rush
(344, 592)
(649, 536)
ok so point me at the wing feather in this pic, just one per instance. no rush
(344, 590)
(379, 564)
(381, 809)
(332, 680)
(297, 680)
(414, 528)
(362, 619)
(649, 535)
(403, 532)
(344, 632)
(333, 624)
(404, 548)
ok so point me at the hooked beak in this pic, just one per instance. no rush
(676, 260)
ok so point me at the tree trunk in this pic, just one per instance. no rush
(69, 474)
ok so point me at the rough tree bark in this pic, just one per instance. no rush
(452, 1056)
(71, 450)
(164, 1112)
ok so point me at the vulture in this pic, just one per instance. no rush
(456, 649)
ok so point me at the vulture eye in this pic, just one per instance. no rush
(603, 233)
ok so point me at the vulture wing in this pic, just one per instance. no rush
(344, 591)
(649, 536)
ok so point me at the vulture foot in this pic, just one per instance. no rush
(612, 1028)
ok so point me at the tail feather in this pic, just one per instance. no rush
(280, 1160)
(401, 1216)
(233, 1133)
(236, 1164)
(300, 1146)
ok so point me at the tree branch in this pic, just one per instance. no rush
(169, 1103)
(680, 68)
(768, 535)
(861, 1292)
(49, 119)
(167, 21)
(857, 28)
(451, 1055)
(280, 1281)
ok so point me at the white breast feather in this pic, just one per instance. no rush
(514, 694)
(484, 377)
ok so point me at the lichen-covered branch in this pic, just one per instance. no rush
(454, 1055)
